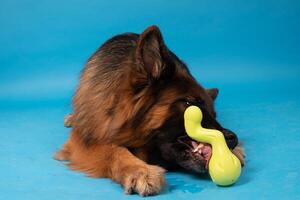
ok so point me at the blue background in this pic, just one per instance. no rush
(250, 50)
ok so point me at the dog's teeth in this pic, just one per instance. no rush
(198, 148)
(194, 144)
(195, 150)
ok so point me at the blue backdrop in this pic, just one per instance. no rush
(250, 50)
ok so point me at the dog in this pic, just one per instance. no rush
(127, 119)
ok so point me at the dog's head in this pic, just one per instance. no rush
(164, 88)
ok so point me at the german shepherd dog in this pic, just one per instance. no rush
(127, 121)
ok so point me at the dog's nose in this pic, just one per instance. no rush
(231, 138)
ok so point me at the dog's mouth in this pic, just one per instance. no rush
(202, 151)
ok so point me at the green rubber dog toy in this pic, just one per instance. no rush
(224, 167)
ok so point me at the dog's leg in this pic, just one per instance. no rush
(114, 162)
(135, 175)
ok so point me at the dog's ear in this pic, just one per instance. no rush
(151, 52)
(213, 92)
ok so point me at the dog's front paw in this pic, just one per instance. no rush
(146, 180)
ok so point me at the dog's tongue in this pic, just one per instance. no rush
(203, 149)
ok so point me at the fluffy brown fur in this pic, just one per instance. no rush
(127, 121)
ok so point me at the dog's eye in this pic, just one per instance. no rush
(188, 103)
(195, 102)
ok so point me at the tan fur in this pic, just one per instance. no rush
(114, 162)
(92, 120)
